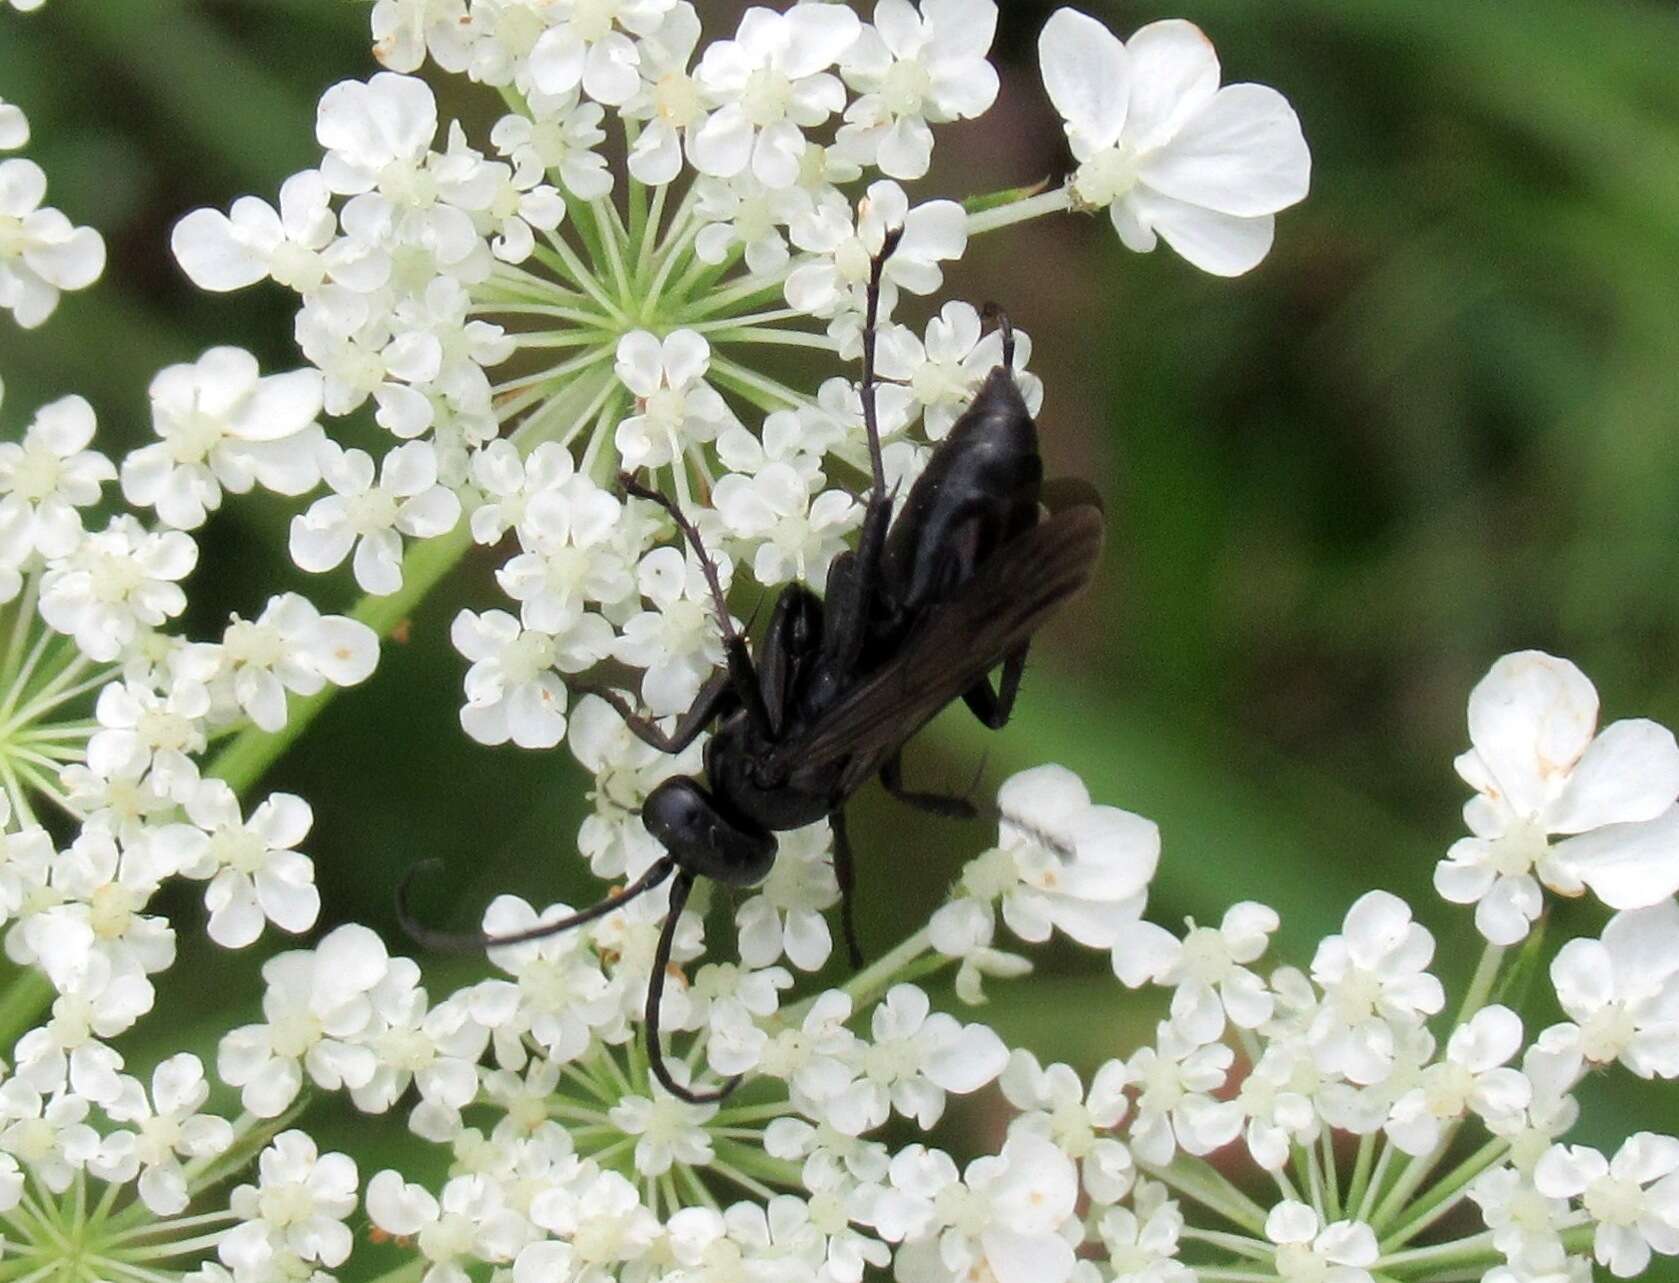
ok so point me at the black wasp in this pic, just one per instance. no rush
(922, 612)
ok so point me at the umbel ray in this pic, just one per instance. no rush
(920, 614)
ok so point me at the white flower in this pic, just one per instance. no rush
(1054, 1105)
(677, 641)
(1539, 771)
(669, 1131)
(1207, 968)
(1310, 1252)
(1176, 1109)
(668, 101)
(772, 82)
(253, 870)
(316, 1006)
(142, 729)
(46, 477)
(50, 1136)
(372, 516)
(294, 245)
(1473, 1077)
(561, 140)
(742, 211)
(912, 68)
(1622, 992)
(1142, 1240)
(295, 1212)
(512, 689)
(601, 1222)
(558, 994)
(942, 373)
(116, 582)
(677, 407)
(584, 47)
(1633, 1198)
(1278, 1098)
(224, 426)
(163, 1131)
(1374, 978)
(913, 1058)
(1167, 151)
(787, 916)
(1091, 887)
(845, 243)
(41, 252)
(572, 558)
(373, 131)
(1004, 1215)
(795, 537)
(291, 646)
(471, 1222)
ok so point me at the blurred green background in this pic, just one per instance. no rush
(1441, 422)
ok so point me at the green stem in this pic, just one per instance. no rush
(1446, 1194)
(1020, 211)
(1208, 1186)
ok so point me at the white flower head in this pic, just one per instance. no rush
(116, 583)
(1310, 1252)
(371, 514)
(675, 407)
(1540, 769)
(46, 478)
(772, 82)
(913, 68)
(1632, 1198)
(224, 426)
(1622, 993)
(1375, 981)
(1166, 151)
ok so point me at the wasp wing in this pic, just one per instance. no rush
(958, 642)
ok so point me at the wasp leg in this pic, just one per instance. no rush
(994, 707)
(853, 579)
(741, 671)
(845, 873)
(679, 889)
(713, 700)
(947, 805)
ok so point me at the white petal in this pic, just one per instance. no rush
(1628, 866)
(1088, 75)
(1630, 772)
(1243, 154)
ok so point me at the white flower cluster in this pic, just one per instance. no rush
(526, 322)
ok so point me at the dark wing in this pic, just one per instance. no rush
(958, 641)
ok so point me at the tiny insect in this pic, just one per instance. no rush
(922, 612)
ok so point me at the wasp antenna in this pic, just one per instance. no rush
(690, 532)
(476, 941)
(679, 890)
(1045, 839)
(993, 312)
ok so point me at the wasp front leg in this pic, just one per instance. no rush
(994, 707)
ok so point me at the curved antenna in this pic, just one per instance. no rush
(995, 313)
(477, 941)
(679, 890)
